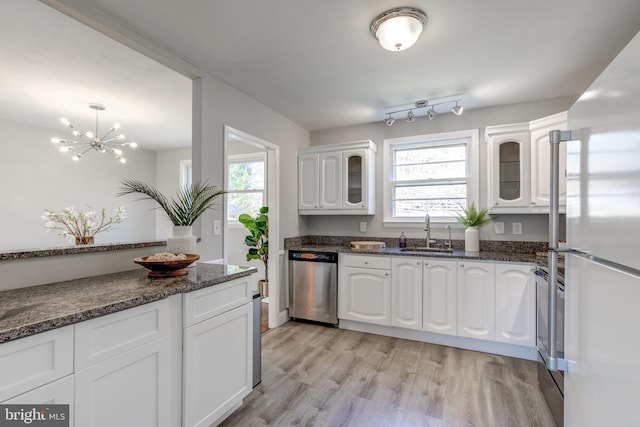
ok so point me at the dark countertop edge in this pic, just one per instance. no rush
(477, 256)
(116, 306)
(76, 249)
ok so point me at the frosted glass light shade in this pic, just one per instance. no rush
(399, 33)
(398, 29)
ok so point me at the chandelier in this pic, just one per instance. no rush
(431, 112)
(87, 141)
(398, 29)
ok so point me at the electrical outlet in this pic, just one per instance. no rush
(363, 227)
(216, 227)
(499, 227)
(517, 228)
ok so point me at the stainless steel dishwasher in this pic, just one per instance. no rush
(313, 279)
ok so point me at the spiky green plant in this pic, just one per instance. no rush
(184, 210)
(472, 217)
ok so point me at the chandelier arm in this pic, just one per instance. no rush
(107, 134)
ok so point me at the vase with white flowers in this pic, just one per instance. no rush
(82, 225)
(183, 210)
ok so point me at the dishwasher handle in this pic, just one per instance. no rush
(312, 256)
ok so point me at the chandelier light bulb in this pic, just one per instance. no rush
(132, 144)
(120, 137)
(76, 157)
(55, 140)
(65, 149)
(64, 121)
(118, 152)
(89, 134)
(122, 160)
(116, 125)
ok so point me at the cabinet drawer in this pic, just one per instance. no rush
(364, 261)
(105, 337)
(33, 361)
(209, 302)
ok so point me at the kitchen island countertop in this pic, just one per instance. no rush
(35, 309)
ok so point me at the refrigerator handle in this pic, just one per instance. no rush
(555, 137)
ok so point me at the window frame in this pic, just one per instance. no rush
(470, 137)
(244, 158)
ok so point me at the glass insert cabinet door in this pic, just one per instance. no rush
(509, 182)
(355, 178)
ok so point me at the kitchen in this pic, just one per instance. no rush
(291, 138)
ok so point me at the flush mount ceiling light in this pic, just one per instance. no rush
(88, 141)
(398, 29)
(431, 112)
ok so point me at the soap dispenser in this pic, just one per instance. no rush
(402, 241)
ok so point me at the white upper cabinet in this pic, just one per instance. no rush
(519, 165)
(541, 160)
(509, 166)
(337, 179)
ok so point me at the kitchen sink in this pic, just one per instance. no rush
(424, 249)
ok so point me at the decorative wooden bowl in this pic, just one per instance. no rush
(167, 268)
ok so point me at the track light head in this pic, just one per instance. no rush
(431, 113)
(458, 109)
(411, 117)
(390, 121)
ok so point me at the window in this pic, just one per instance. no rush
(430, 174)
(186, 173)
(246, 185)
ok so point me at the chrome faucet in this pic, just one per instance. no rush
(427, 228)
(447, 244)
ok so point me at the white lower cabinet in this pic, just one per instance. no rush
(128, 389)
(476, 300)
(122, 368)
(439, 297)
(364, 295)
(515, 304)
(406, 292)
(217, 352)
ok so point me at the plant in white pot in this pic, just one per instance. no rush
(473, 219)
(258, 242)
(183, 210)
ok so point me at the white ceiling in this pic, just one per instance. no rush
(53, 66)
(316, 62)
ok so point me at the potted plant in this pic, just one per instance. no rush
(183, 210)
(83, 226)
(473, 219)
(258, 243)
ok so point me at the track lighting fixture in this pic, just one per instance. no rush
(431, 112)
(457, 110)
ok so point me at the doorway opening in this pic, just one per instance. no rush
(255, 166)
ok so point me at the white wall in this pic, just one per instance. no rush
(36, 176)
(219, 104)
(535, 227)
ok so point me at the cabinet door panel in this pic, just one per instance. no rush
(365, 295)
(217, 366)
(515, 304)
(331, 181)
(406, 293)
(308, 181)
(355, 179)
(126, 390)
(476, 300)
(541, 160)
(439, 297)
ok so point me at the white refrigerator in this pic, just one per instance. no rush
(602, 275)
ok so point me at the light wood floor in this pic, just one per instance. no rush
(327, 377)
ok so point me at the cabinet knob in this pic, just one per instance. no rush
(496, 203)
(426, 263)
(386, 274)
(366, 262)
(461, 265)
(533, 203)
(418, 263)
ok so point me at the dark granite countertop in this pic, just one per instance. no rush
(457, 254)
(28, 311)
(9, 255)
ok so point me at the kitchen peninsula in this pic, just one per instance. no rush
(149, 347)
